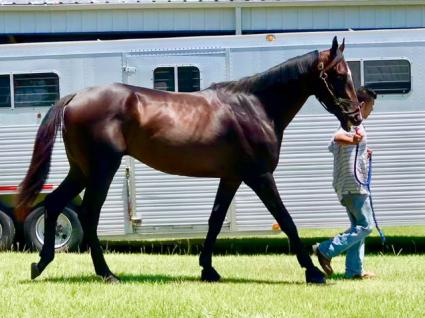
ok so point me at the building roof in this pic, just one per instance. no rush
(16, 4)
(53, 20)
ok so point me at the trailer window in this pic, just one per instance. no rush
(188, 78)
(163, 78)
(355, 73)
(387, 76)
(35, 89)
(5, 91)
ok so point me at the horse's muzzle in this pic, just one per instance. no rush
(357, 120)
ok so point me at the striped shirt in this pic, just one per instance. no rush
(344, 181)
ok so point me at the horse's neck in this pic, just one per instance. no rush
(282, 103)
(286, 114)
(281, 91)
(292, 71)
(284, 89)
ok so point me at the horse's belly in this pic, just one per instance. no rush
(194, 160)
(216, 157)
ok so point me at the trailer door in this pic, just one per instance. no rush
(164, 203)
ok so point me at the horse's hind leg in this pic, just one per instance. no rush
(100, 178)
(265, 187)
(225, 193)
(54, 203)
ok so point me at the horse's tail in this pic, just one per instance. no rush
(41, 156)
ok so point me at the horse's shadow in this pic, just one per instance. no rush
(155, 278)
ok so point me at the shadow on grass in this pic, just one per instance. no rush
(395, 245)
(149, 278)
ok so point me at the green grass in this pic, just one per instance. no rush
(389, 231)
(169, 286)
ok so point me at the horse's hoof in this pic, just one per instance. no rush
(111, 279)
(210, 275)
(34, 271)
(315, 276)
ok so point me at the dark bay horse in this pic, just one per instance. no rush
(231, 130)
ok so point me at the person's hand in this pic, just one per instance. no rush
(357, 137)
(369, 153)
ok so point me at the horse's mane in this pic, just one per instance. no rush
(281, 74)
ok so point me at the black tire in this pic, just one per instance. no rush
(7, 231)
(69, 233)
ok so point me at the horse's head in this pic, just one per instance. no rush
(335, 88)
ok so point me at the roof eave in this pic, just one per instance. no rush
(201, 4)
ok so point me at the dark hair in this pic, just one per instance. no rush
(365, 94)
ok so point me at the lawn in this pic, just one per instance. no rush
(168, 286)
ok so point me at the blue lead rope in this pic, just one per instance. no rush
(367, 185)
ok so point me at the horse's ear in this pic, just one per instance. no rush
(334, 46)
(342, 46)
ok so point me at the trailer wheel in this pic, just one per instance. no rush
(7, 231)
(68, 236)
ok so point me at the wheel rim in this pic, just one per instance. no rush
(1, 230)
(63, 230)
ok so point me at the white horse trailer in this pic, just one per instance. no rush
(145, 203)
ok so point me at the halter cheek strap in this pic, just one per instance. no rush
(323, 75)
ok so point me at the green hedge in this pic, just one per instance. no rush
(400, 240)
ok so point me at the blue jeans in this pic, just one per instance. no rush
(352, 240)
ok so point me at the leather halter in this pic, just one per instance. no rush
(337, 101)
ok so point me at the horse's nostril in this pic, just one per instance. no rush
(359, 119)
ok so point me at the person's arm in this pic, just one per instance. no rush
(348, 139)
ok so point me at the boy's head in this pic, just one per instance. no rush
(367, 98)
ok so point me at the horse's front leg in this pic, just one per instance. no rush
(265, 187)
(225, 193)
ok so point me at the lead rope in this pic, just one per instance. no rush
(367, 185)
